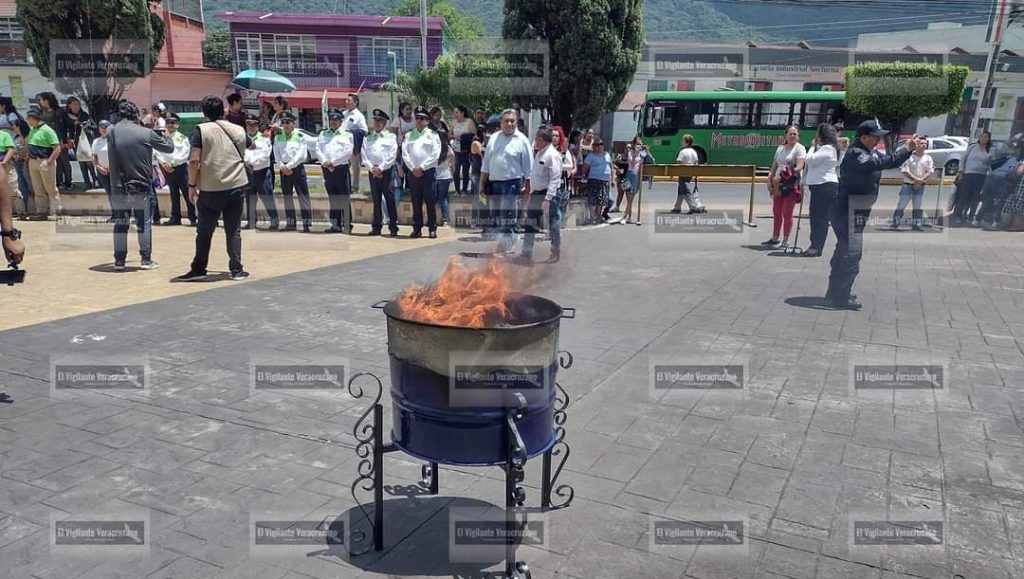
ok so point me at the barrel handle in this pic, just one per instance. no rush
(569, 313)
(380, 305)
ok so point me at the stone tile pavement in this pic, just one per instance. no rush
(797, 454)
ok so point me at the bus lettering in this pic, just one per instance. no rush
(747, 141)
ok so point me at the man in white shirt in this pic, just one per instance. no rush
(257, 164)
(355, 123)
(506, 166)
(916, 171)
(542, 199)
(688, 156)
(421, 151)
(175, 168)
(380, 150)
(290, 153)
(334, 151)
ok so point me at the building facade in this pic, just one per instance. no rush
(337, 53)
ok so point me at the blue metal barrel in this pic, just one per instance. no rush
(451, 387)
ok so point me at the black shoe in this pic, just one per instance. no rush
(289, 227)
(676, 211)
(393, 233)
(247, 227)
(239, 275)
(173, 222)
(432, 234)
(334, 229)
(916, 228)
(305, 229)
(119, 265)
(812, 252)
(374, 232)
(556, 254)
(850, 304)
(415, 235)
(771, 242)
(191, 276)
(698, 210)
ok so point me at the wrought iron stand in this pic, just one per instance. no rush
(371, 448)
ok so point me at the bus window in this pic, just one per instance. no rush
(849, 118)
(658, 118)
(774, 115)
(734, 114)
(697, 114)
(669, 117)
(813, 114)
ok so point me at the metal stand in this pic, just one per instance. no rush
(370, 448)
(796, 249)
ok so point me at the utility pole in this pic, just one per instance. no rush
(1004, 12)
(423, 33)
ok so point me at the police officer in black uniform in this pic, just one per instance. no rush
(858, 190)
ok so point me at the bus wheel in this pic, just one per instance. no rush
(702, 155)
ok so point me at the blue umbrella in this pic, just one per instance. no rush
(262, 81)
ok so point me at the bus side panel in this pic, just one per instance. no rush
(738, 146)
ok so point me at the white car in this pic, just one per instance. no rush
(946, 152)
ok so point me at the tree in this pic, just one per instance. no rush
(217, 48)
(434, 86)
(460, 24)
(593, 48)
(898, 91)
(125, 30)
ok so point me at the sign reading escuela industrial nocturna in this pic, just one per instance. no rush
(703, 63)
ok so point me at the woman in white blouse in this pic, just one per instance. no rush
(823, 181)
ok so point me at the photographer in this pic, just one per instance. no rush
(14, 249)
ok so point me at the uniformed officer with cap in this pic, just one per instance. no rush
(290, 153)
(334, 152)
(380, 149)
(175, 168)
(421, 150)
(860, 173)
(257, 164)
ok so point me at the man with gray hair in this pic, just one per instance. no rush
(545, 179)
(507, 163)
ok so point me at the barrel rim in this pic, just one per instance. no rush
(391, 311)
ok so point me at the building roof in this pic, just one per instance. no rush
(322, 19)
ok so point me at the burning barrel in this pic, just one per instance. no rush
(452, 386)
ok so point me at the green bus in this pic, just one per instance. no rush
(736, 127)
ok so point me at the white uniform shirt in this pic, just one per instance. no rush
(380, 150)
(290, 150)
(259, 156)
(334, 146)
(421, 149)
(546, 173)
(101, 149)
(354, 120)
(179, 156)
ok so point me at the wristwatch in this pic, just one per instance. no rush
(191, 185)
(13, 233)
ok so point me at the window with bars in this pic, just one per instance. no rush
(373, 54)
(10, 30)
(281, 53)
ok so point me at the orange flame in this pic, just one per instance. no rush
(462, 296)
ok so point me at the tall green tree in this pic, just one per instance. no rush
(434, 86)
(127, 27)
(593, 48)
(898, 91)
(460, 24)
(217, 48)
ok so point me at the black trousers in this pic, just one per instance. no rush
(850, 214)
(177, 182)
(297, 182)
(338, 185)
(261, 188)
(380, 190)
(212, 207)
(422, 191)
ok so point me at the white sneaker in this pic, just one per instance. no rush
(148, 264)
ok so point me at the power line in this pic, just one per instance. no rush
(896, 20)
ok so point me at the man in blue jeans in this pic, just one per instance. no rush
(506, 166)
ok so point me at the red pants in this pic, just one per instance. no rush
(782, 215)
